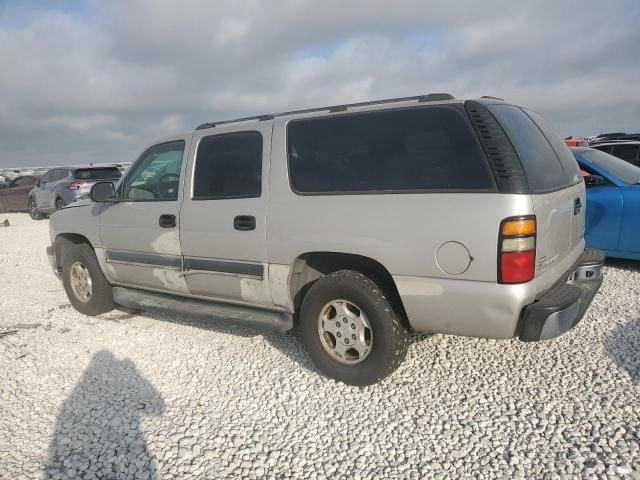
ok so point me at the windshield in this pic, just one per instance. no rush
(625, 171)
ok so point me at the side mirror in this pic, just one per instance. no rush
(37, 183)
(103, 192)
(595, 181)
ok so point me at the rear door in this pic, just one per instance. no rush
(558, 195)
(223, 216)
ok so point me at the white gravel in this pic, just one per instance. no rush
(141, 396)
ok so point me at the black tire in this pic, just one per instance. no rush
(390, 340)
(32, 208)
(60, 203)
(101, 298)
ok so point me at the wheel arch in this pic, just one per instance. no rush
(311, 266)
(64, 241)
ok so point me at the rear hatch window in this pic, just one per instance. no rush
(97, 173)
(544, 160)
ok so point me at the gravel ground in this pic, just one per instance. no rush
(128, 395)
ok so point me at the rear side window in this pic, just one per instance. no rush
(228, 166)
(626, 152)
(97, 174)
(567, 160)
(540, 163)
(407, 150)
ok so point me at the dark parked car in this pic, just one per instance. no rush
(61, 186)
(13, 198)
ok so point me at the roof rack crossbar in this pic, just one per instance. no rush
(334, 108)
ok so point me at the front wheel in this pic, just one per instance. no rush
(33, 210)
(350, 330)
(87, 288)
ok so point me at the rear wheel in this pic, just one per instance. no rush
(85, 284)
(33, 210)
(350, 330)
(59, 203)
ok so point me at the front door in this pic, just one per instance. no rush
(140, 231)
(223, 216)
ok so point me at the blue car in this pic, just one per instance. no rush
(613, 203)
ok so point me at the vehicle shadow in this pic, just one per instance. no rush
(623, 346)
(97, 432)
(623, 264)
(286, 342)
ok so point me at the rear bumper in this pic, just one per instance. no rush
(561, 307)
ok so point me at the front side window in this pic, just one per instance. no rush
(156, 174)
(403, 150)
(48, 177)
(228, 166)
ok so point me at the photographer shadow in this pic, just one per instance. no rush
(98, 432)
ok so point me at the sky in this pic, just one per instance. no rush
(97, 81)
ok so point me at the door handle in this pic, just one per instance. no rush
(244, 222)
(167, 221)
(577, 206)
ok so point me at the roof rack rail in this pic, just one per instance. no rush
(432, 97)
(489, 97)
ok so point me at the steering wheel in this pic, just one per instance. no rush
(166, 183)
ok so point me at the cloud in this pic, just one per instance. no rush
(96, 81)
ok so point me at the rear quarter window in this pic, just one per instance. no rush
(567, 160)
(391, 151)
(541, 165)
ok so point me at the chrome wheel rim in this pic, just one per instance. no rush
(345, 332)
(81, 283)
(33, 211)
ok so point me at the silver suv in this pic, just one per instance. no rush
(62, 186)
(358, 222)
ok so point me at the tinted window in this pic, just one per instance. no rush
(626, 152)
(399, 150)
(620, 169)
(97, 173)
(567, 160)
(541, 166)
(51, 176)
(24, 182)
(156, 174)
(604, 148)
(61, 174)
(228, 166)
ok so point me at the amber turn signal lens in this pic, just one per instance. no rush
(525, 226)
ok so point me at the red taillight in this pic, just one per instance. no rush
(517, 249)
(517, 267)
(75, 185)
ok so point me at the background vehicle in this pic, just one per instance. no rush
(13, 198)
(576, 142)
(366, 220)
(61, 186)
(613, 203)
(627, 150)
